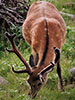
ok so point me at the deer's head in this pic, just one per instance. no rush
(36, 83)
(36, 79)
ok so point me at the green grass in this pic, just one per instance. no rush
(18, 89)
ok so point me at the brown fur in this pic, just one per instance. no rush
(34, 29)
(34, 32)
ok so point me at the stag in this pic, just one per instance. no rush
(44, 30)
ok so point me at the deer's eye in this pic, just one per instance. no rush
(34, 86)
(39, 84)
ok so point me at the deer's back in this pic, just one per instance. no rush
(36, 14)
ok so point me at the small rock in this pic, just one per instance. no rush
(72, 86)
(3, 81)
(73, 72)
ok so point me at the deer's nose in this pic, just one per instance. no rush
(29, 94)
(34, 96)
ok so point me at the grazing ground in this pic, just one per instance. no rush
(18, 89)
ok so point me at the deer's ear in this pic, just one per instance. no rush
(40, 77)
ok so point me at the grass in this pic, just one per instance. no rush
(18, 89)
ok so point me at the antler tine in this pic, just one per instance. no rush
(14, 50)
(20, 71)
(9, 50)
(11, 37)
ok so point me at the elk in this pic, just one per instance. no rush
(44, 30)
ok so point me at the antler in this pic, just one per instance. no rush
(14, 50)
(50, 67)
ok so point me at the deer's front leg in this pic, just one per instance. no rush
(60, 81)
(33, 59)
